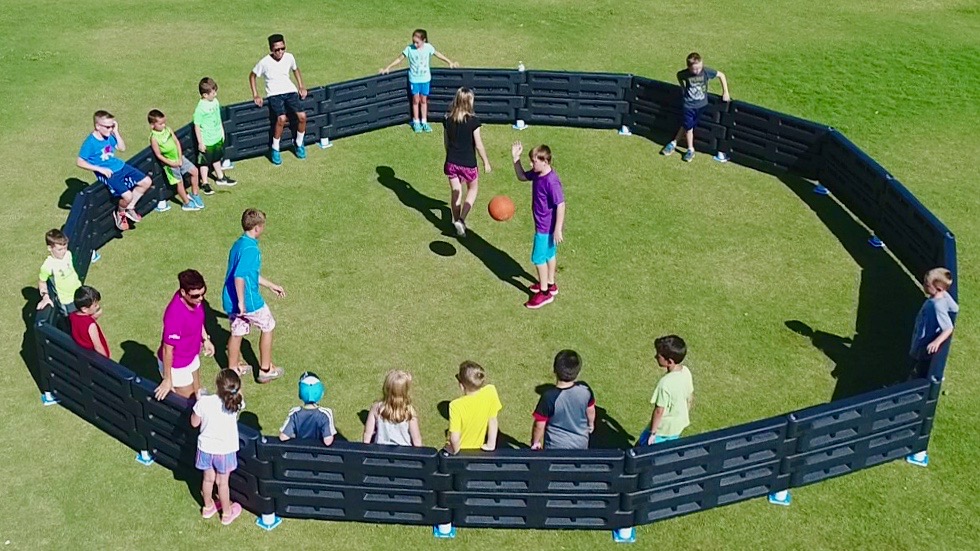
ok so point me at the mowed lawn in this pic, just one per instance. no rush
(741, 265)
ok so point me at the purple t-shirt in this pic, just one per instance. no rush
(546, 195)
(182, 329)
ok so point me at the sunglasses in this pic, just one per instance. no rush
(283, 49)
(196, 296)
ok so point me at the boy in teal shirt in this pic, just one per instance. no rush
(166, 148)
(210, 134)
(674, 395)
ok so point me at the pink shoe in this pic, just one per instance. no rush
(210, 512)
(552, 289)
(236, 511)
(539, 300)
(133, 215)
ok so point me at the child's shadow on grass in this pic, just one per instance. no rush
(438, 214)
(504, 440)
(73, 186)
(608, 433)
(219, 338)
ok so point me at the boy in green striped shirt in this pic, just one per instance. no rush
(166, 148)
(210, 134)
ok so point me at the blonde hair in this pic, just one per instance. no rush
(471, 375)
(252, 218)
(940, 278)
(541, 153)
(462, 106)
(396, 403)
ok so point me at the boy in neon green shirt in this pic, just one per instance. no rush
(674, 395)
(210, 134)
(473, 416)
(166, 148)
(59, 267)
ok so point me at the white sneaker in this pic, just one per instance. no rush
(460, 228)
(162, 206)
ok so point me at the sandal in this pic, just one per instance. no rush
(208, 512)
(272, 374)
(236, 511)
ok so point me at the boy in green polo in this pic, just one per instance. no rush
(210, 134)
(674, 395)
(166, 148)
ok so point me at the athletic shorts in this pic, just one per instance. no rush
(122, 180)
(466, 174)
(282, 103)
(645, 435)
(211, 154)
(544, 248)
(691, 117)
(175, 176)
(262, 319)
(222, 463)
(182, 376)
(420, 88)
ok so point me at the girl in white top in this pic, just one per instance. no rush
(393, 420)
(217, 445)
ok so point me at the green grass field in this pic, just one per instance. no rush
(730, 259)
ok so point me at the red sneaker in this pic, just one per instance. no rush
(538, 300)
(552, 289)
(120, 220)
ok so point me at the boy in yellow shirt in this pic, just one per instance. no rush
(473, 416)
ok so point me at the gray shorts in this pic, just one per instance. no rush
(176, 175)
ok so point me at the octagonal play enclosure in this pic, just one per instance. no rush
(591, 489)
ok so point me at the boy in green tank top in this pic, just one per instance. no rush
(166, 148)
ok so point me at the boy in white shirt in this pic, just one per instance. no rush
(283, 96)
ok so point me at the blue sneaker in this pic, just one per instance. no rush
(190, 206)
(426, 127)
(688, 156)
(668, 149)
(416, 127)
(300, 151)
(196, 199)
(275, 157)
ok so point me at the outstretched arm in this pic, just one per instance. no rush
(385, 70)
(516, 151)
(452, 64)
(724, 87)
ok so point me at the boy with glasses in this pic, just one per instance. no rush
(283, 96)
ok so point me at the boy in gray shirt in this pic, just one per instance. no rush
(565, 414)
(934, 322)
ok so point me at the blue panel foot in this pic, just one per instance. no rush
(875, 242)
(48, 399)
(144, 458)
(721, 157)
(624, 535)
(268, 521)
(780, 498)
(519, 125)
(920, 459)
(96, 257)
(227, 164)
(625, 131)
(445, 531)
(820, 190)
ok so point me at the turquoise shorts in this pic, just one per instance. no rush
(645, 436)
(544, 248)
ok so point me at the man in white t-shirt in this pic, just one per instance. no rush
(282, 94)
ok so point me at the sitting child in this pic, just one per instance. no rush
(309, 420)
(393, 420)
(84, 323)
(473, 416)
(59, 267)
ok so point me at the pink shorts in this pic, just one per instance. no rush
(465, 174)
(261, 318)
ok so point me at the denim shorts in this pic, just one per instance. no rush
(420, 88)
(222, 463)
(544, 248)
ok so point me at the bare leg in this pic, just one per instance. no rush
(124, 200)
(185, 391)
(182, 193)
(204, 174)
(218, 173)
(416, 99)
(689, 135)
(542, 270)
(425, 107)
(301, 122)
(224, 496)
(234, 352)
(456, 194)
(207, 489)
(552, 265)
(265, 351)
(281, 121)
(471, 190)
(195, 187)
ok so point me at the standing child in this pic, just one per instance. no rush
(85, 330)
(166, 148)
(565, 415)
(283, 96)
(548, 207)
(934, 322)
(694, 86)
(210, 134)
(217, 445)
(419, 53)
(473, 416)
(60, 267)
(126, 183)
(462, 140)
(393, 420)
(243, 302)
(674, 395)
(309, 420)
